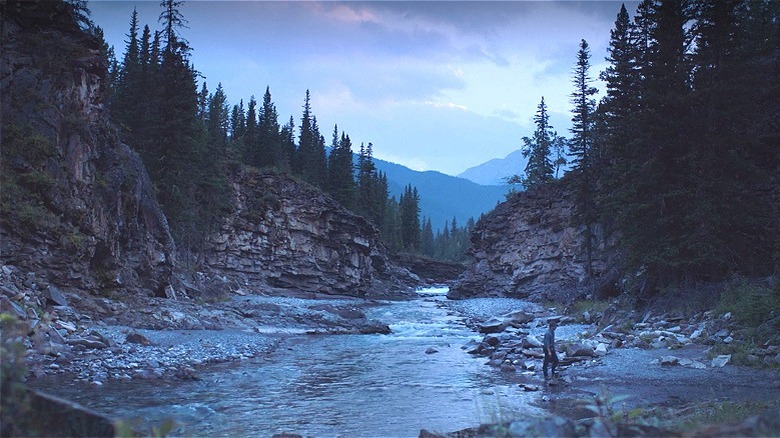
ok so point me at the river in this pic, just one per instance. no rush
(331, 385)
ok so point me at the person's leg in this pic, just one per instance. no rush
(545, 364)
(554, 363)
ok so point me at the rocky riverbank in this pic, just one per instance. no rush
(649, 362)
(94, 339)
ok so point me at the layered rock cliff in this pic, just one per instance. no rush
(529, 246)
(77, 205)
(285, 233)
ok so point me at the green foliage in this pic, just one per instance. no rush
(716, 412)
(610, 413)
(14, 402)
(750, 304)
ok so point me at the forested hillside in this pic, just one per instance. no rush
(679, 162)
(191, 140)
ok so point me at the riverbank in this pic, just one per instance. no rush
(636, 371)
(95, 339)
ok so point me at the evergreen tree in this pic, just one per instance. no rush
(217, 121)
(582, 145)
(341, 180)
(537, 149)
(251, 141)
(269, 141)
(409, 206)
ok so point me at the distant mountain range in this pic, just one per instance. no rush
(443, 197)
(495, 171)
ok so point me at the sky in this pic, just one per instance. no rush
(433, 85)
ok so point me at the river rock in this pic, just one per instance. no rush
(720, 361)
(431, 350)
(89, 343)
(531, 341)
(8, 306)
(55, 297)
(580, 350)
(137, 338)
(493, 325)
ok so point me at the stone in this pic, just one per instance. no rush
(8, 306)
(720, 361)
(55, 297)
(493, 325)
(89, 343)
(431, 350)
(601, 349)
(491, 340)
(669, 360)
(519, 317)
(532, 341)
(580, 350)
(529, 388)
(137, 338)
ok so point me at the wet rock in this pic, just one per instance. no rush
(529, 388)
(431, 350)
(507, 367)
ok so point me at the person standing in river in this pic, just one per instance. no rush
(548, 345)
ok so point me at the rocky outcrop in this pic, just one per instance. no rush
(285, 233)
(528, 246)
(78, 208)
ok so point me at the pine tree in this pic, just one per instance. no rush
(539, 169)
(582, 145)
(269, 146)
(341, 180)
(409, 205)
(217, 121)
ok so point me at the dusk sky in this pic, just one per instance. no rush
(433, 85)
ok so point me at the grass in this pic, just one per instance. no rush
(713, 413)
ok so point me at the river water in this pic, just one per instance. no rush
(332, 385)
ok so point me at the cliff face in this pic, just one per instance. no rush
(284, 233)
(528, 246)
(77, 205)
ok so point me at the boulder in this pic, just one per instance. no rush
(531, 341)
(55, 297)
(720, 361)
(580, 350)
(493, 325)
(137, 338)
(8, 306)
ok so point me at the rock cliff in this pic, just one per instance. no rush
(528, 246)
(285, 233)
(77, 207)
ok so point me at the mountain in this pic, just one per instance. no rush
(494, 172)
(443, 197)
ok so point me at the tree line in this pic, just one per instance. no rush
(680, 159)
(190, 138)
